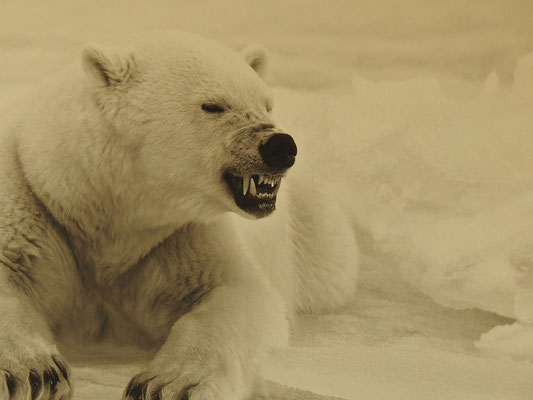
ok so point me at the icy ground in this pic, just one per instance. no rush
(429, 152)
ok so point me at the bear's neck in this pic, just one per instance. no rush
(95, 189)
(109, 231)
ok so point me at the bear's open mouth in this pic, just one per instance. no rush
(255, 193)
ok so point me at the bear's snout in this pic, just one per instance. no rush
(279, 151)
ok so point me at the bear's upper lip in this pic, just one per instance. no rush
(254, 193)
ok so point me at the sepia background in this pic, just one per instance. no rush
(419, 113)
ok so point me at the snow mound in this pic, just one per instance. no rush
(444, 186)
(508, 341)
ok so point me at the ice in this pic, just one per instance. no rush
(508, 341)
(419, 117)
(444, 186)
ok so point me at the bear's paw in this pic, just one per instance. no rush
(25, 374)
(185, 382)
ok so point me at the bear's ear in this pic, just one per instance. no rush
(256, 56)
(107, 68)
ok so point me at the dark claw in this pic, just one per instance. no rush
(11, 384)
(156, 393)
(61, 367)
(185, 395)
(131, 386)
(54, 381)
(35, 384)
(137, 390)
(46, 377)
(51, 376)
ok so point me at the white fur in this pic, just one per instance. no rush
(113, 204)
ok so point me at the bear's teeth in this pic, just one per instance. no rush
(263, 179)
(253, 192)
(245, 184)
(276, 190)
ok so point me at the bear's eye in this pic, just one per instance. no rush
(212, 108)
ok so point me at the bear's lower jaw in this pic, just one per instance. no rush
(254, 194)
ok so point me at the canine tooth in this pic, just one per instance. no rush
(253, 192)
(276, 190)
(245, 184)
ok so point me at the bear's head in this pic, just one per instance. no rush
(198, 118)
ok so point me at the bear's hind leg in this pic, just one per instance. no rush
(326, 252)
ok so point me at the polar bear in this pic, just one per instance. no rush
(148, 196)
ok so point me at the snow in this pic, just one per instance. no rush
(420, 119)
(509, 340)
(443, 184)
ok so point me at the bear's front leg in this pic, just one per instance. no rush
(214, 352)
(30, 365)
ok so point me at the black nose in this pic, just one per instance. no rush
(279, 151)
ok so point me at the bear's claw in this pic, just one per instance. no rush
(62, 368)
(136, 389)
(36, 383)
(34, 379)
(143, 387)
(10, 382)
